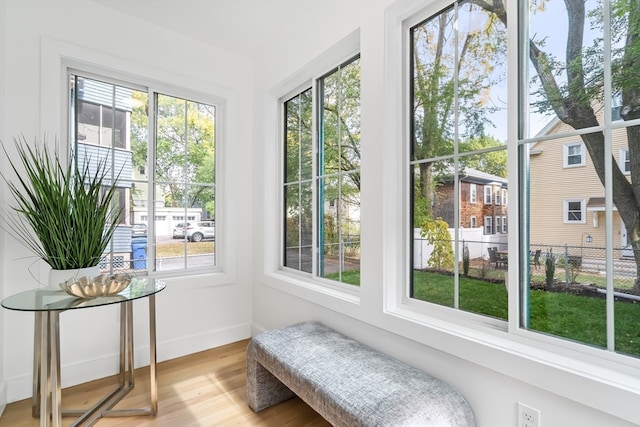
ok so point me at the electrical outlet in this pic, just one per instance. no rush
(528, 416)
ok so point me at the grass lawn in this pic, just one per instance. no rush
(576, 317)
(176, 248)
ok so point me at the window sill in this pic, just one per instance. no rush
(342, 298)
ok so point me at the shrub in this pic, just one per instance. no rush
(549, 267)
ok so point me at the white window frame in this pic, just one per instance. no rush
(472, 221)
(498, 222)
(566, 211)
(624, 161)
(488, 225)
(504, 224)
(488, 194)
(473, 193)
(504, 197)
(565, 154)
(153, 88)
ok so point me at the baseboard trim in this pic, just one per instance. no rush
(19, 388)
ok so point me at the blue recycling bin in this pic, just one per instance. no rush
(139, 252)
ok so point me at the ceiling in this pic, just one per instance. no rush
(246, 27)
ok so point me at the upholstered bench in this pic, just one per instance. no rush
(346, 382)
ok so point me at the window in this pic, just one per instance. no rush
(571, 83)
(566, 92)
(573, 155)
(625, 161)
(473, 193)
(498, 197)
(449, 114)
(109, 121)
(616, 104)
(574, 211)
(472, 222)
(488, 193)
(488, 225)
(326, 190)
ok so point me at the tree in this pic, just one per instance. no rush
(450, 93)
(492, 162)
(574, 100)
(184, 149)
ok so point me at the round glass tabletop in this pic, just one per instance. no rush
(54, 298)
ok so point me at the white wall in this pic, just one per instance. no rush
(3, 384)
(193, 313)
(492, 370)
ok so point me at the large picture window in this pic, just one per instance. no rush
(322, 177)
(579, 62)
(110, 121)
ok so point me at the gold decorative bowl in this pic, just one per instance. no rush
(97, 286)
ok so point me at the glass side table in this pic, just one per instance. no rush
(47, 303)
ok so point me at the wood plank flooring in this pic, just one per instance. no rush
(205, 389)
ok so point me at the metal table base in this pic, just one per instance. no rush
(46, 371)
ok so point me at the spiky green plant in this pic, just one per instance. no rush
(65, 213)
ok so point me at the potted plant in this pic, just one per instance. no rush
(65, 211)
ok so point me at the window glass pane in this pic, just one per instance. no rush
(101, 133)
(433, 57)
(185, 184)
(339, 174)
(569, 90)
(565, 63)
(298, 197)
(299, 139)
(458, 154)
(299, 227)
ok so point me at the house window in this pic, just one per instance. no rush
(498, 197)
(109, 121)
(472, 222)
(498, 220)
(329, 188)
(488, 194)
(573, 155)
(616, 104)
(625, 161)
(504, 225)
(473, 193)
(504, 196)
(488, 225)
(574, 211)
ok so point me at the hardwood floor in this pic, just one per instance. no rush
(205, 389)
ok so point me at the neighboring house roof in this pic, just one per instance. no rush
(479, 177)
(472, 175)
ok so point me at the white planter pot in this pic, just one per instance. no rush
(58, 276)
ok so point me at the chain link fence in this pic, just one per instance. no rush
(575, 265)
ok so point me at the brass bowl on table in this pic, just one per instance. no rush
(97, 286)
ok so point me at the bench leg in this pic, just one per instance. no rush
(263, 388)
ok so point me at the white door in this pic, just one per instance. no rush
(627, 251)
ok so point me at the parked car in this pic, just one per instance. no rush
(138, 230)
(201, 230)
(178, 230)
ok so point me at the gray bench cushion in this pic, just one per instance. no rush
(349, 384)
